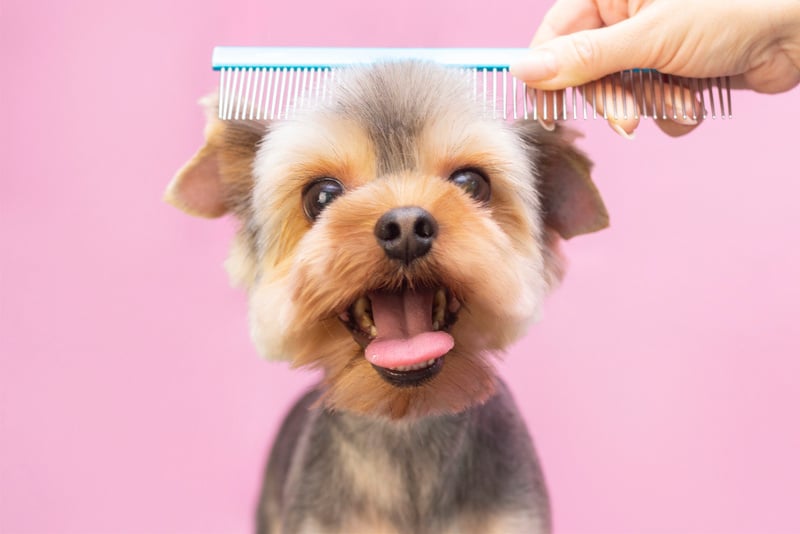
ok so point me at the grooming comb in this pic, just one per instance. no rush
(265, 83)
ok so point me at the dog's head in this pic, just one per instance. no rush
(395, 237)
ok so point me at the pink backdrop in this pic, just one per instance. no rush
(661, 387)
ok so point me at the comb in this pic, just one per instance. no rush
(267, 83)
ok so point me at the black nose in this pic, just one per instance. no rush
(406, 233)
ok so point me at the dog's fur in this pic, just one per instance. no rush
(359, 453)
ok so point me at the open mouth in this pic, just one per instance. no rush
(405, 333)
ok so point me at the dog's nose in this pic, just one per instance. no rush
(406, 233)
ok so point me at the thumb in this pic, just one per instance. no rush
(585, 56)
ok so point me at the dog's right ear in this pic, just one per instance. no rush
(219, 178)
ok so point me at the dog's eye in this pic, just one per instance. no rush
(319, 194)
(474, 183)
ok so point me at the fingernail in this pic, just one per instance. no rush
(680, 116)
(539, 65)
(617, 128)
(686, 121)
(547, 125)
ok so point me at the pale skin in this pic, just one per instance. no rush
(756, 43)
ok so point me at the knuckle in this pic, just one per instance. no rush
(584, 49)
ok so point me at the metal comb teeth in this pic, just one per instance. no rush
(266, 93)
(263, 83)
(272, 93)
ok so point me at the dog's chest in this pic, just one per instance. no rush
(380, 472)
(352, 474)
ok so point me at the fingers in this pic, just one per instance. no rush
(610, 99)
(674, 103)
(575, 46)
(625, 99)
(614, 100)
(673, 129)
(586, 55)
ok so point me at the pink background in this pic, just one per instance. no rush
(661, 387)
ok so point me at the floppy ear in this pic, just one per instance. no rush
(219, 178)
(570, 201)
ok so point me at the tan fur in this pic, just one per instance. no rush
(382, 483)
(327, 279)
(327, 272)
(356, 525)
(301, 275)
(497, 523)
(505, 522)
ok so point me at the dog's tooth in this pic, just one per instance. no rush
(414, 367)
(344, 316)
(362, 309)
(360, 306)
(366, 324)
(440, 297)
(439, 304)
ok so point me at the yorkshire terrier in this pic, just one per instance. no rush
(398, 239)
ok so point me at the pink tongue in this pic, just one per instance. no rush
(405, 329)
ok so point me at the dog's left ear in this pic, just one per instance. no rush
(219, 178)
(570, 201)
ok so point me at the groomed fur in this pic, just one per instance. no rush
(393, 135)
(394, 144)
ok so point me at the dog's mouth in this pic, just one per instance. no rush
(405, 333)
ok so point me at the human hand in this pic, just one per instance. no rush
(757, 44)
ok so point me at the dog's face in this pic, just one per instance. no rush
(396, 237)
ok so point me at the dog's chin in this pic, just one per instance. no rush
(411, 376)
(407, 348)
(404, 333)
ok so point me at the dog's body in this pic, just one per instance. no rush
(470, 472)
(396, 238)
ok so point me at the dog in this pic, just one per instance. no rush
(397, 238)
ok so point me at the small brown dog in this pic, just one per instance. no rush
(396, 238)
